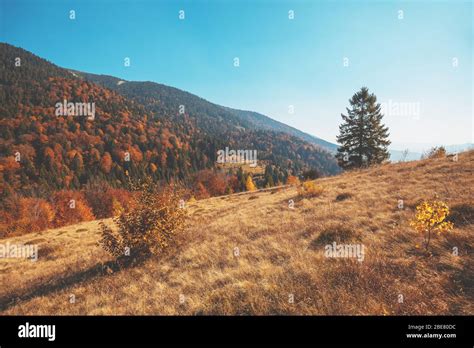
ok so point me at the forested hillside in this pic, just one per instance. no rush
(68, 151)
(50, 153)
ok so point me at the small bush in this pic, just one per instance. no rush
(310, 189)
(435, 152)
(343, 196)
(149, 226)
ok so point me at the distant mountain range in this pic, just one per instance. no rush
(399, 155)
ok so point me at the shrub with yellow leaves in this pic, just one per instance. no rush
(310, 189)
(431, 217)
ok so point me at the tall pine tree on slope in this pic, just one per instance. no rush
(363, 137)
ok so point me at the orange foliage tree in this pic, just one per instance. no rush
(292, 180)
(106, 163)
(70, 207)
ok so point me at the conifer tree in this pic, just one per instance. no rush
(363, 137)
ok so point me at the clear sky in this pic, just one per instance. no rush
(420, 58)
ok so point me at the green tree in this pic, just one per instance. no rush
(269, 176)
(77, 164)
(363, 137)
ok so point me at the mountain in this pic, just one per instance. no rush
(155, 95)
(137, 128)
(266, 123)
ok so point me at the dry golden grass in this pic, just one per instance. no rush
(250, 254)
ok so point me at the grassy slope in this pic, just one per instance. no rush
(279, 255)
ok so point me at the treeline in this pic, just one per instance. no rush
(29, 214)
(21, 214)
(98, 199)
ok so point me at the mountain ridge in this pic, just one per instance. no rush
(256, 119)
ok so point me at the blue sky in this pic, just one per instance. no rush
(421, 57)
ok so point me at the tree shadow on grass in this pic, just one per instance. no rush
(461, 215)
(102, 269)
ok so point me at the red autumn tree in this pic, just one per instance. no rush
(70, 207)
(106, 163)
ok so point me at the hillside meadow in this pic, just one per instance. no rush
(258, 254)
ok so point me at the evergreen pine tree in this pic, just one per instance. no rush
(363, 137)
(269, 176)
